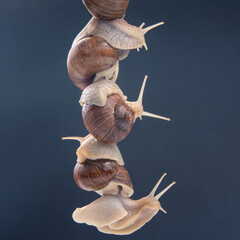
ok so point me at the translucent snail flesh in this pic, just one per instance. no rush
(92, 149)
(120, 215)
(118, 33)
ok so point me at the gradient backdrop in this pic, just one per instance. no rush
(193, 67)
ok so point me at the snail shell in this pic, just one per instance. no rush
(94, 175)
(121, 183)
(89, 57)
(106, 9)
(110, 123)
(104, 176)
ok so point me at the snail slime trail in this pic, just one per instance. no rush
(93, 66)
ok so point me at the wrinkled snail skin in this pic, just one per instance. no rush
(115, 214)
(92, 149)
(118, 33)
(106, 9)
(106, 113)
(97, 93)
(90, 60)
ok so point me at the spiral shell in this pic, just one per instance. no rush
(94, 175)
(106, 9)
(110, 123)
(121, 183)
(89, 56)
(104, 176)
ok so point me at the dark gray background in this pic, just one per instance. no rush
(193, 68)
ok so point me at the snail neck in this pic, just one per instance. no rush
(137, 108)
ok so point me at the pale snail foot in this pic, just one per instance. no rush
(115, 214)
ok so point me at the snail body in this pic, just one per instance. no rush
(97, 93)
(118, 33)
(123, 215)
(106, 9)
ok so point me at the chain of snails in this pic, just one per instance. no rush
(93, 64)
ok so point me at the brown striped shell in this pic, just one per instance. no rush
(94, 175)
(87, 57)
(107, 9)
(104, 176)
(121, 183)
(110, 123)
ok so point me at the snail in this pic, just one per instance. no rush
(100, 168)
(106, 9)
(118, 33)
(106, 113)
(120, 215)
(98, 48)
(92, 149)
(92, 59)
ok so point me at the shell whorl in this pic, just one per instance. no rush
(97, 93)
(87, 58)
(104, 176)
(110, 123)
(94, 175)
(121, 184)
(106, 9)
